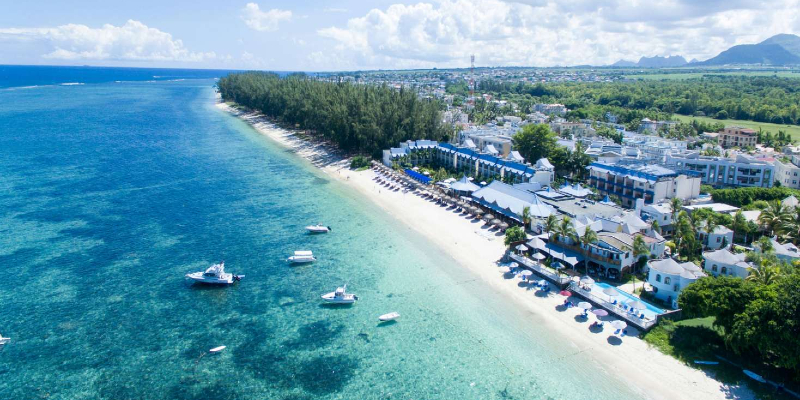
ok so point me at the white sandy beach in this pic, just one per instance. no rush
(646, 370)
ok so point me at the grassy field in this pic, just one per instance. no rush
(692, 75)
(793, 130)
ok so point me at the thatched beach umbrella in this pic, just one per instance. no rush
(488, 217)
(503, 226)
(496, 222)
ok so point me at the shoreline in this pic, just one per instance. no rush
(645, 370)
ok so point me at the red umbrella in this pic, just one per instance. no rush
(566, 293)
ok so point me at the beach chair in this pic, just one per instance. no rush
(641, 316)
(616, 332)
(624, 332)
(614, 302)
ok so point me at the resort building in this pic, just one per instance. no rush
(662, 213)
(743, 170)
(788, 174)
(470, 162)
(668, 278)
(723, 262)
(550, 109)
(735, 136)
(784, 251)
(647, 125)
(652, 183)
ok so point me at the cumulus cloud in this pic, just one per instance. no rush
(550, 32)
(265, 21)
(133, 41)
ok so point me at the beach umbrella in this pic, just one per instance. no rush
(513, 265)
(587, 280)
(503, 225)
(600, 312)
(637, 304)
(610, 291)
(584, 305)
(488, 217)
(478, 211)
(619, 324)
(565, 293)
(526, 273)
(539, 256)
(542, 282)
(496, 222)
(522, 247)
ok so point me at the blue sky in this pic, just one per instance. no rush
(347, 35)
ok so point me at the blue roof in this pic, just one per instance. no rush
(416, 175)
(650, 172)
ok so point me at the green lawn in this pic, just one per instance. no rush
(793, 130)
(692, 75)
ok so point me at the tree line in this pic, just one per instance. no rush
(358, 118)
(762, 99)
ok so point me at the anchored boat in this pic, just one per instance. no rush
(318, 228)
(389, 317)
(302, 257)
(214, 275)
(340, 296)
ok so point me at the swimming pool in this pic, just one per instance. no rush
(624, 297)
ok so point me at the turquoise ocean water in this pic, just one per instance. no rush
(111, 192)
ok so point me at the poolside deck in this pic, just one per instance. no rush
(559, 280)
(643, 324)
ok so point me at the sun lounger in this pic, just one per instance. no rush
(641, 316)
(616, 332)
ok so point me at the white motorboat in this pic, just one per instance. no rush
(215, 275)
(302, 257)
(389, 317)
(217, 349)
(4, 340)
(318, 228)
(754, 376)
(340, 296)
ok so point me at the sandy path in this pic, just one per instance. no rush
(645, 370)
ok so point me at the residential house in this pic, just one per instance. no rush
(725, 263)
(668, 278)
(735, 136)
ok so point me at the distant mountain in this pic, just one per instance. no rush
(624, 63)
(653, 62)
(783, 49)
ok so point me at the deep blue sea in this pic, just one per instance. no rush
(112, 190)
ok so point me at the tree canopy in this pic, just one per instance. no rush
(357, 118)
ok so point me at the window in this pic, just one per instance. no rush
(719, 239)
(677, 287)
(724, 270)
(658, 277)
(667, 280)
(714, 268)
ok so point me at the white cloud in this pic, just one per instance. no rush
(550, 32)
(265, 21)
(133, 41)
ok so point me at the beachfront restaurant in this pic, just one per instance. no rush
(509, 201)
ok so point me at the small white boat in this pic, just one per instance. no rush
(214, 275)
(707, 362)
(340, 296)
(4, 340)
(318, 228)
(754, 376)
(217, 349)
(302, 257)
(389, 317)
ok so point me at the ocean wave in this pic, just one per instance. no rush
(71, 83)
(23, 87)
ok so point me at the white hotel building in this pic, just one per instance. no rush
(651, 183)
(742, 171)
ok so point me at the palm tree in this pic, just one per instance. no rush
(739, 223)
(551, 224)
(675, 206)
(655, 226)
(765, 274)
(775, 218)
(526, 216)
(765, 244)
(711, 225)
(589, 237)
(566, 230)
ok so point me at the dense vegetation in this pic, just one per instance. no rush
(763, 98)
(759, 318)
(535, 141)
(741, 197)
(358, 118)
